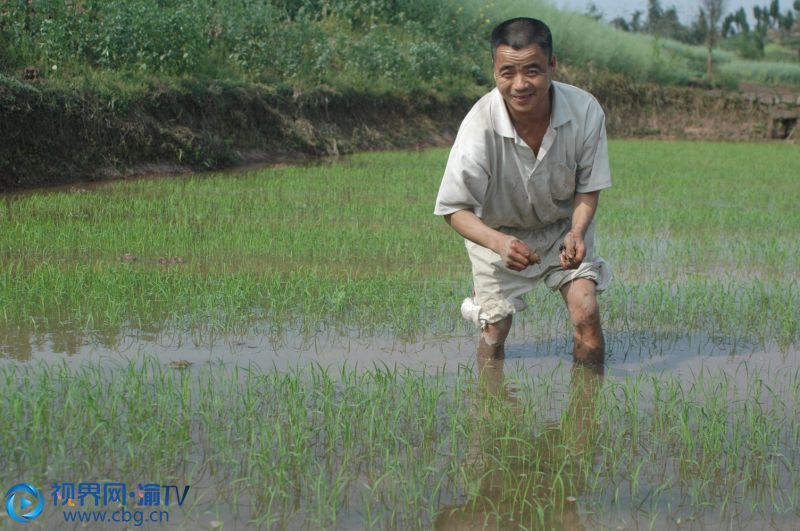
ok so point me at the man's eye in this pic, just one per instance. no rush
(533, 72)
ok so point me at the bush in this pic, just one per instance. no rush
(745, 45)
(397, 45)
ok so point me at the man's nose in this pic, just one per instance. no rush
(520, 82)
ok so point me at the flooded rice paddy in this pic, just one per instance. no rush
(286, 343)
(627, 352)
(675, 432)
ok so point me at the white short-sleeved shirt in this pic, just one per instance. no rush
(492, 171)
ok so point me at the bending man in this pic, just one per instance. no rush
(522, 185)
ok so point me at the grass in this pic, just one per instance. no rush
(767, 72)
(399, 47)
(702, 238)
(777, 52)
(705, 241)
(384, 447)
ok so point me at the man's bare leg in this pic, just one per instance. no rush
(490, 375)
(493, 338)
(581, 298)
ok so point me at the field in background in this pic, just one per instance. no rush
(434, 46)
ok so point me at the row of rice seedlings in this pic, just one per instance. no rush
(94, 301)
(96, 298)
(388, 447)
(367, 213)
(676, 257)
(351, 216)
(338, 245)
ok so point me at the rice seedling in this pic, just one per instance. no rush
(389, 447)
(700, 249)
(695, 242)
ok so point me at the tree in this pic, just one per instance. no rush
(795, 35)
(621, 24)
(787, 21)
(654, 14)
(635, 23)
(592, 11)
(736, 23)
(665, 22)
(711, 11)
(775, 12)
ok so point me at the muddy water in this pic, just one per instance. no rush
(628, 352)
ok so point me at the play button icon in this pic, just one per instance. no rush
(31, 502)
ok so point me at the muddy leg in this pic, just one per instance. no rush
(581, 298)
(493, 337)
(490, 376)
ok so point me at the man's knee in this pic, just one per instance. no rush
(587, 318)
(581, 298)
(496, 333)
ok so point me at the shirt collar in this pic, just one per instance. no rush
(501, 121)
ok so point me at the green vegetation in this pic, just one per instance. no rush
(302, 43)
(389, 448)
(770, 73)
(703, 241)
(434, 46)
(775, 37)
(776, 52)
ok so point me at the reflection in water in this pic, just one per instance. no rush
(522, 479)
(270, 345)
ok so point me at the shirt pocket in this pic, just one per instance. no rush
(562, 180)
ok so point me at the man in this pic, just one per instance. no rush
(522, 185)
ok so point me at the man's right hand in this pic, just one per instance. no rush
(516, 254)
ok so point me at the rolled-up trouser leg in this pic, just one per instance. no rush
(499, 291)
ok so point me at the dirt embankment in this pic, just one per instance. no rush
(52, 137)
(756, 113)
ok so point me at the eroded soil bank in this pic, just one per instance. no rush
(55, 137)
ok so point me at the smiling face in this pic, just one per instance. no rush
(523, 78)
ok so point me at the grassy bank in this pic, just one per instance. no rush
(96, 90)
(431, 46)
(704, 240)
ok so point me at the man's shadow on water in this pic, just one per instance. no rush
(523, 475)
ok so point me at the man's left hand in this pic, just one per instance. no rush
(573, 251)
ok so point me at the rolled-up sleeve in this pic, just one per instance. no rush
(594, 172)
(463, 185)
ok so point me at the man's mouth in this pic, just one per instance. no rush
(521, 98)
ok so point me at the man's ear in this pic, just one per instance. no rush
(553, 62)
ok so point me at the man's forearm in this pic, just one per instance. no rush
(471, 227)
(515, 253)
(583, 212)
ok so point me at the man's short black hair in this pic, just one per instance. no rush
(522, 32)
